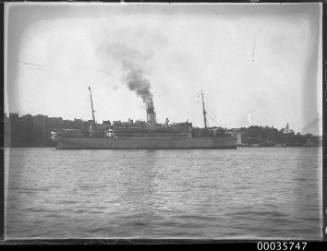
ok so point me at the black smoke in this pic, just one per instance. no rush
(132, 62)
(138, 83)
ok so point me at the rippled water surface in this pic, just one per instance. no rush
(220, 194)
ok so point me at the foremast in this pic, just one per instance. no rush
(92, 110)
(204, 111)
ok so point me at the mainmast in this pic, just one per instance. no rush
(204, 111)
(92, 109)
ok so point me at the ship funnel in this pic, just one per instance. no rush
(150, 117)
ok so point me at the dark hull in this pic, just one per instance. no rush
(221, 142)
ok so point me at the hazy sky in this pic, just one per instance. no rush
(258, 64)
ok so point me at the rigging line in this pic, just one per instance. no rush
(31, 65)
(34, 67)
(27, 63)
(94, 69)
(209, 113)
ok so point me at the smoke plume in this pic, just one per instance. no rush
(132, 62)
(136, 82)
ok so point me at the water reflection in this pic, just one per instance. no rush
(137, 187)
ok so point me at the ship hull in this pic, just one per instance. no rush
(223, 142)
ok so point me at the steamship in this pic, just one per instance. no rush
(143, 134)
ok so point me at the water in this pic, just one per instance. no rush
(217, 194)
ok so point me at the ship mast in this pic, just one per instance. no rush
(92, 109)
(204, 111)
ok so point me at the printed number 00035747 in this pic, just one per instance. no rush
(278, 245)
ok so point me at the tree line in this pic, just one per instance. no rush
(270, 136)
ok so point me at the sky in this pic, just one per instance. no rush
(257, 64)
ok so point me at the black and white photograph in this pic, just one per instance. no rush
(177, 121)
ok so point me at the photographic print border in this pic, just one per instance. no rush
(251, 243)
